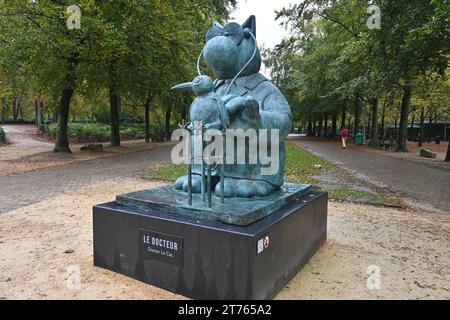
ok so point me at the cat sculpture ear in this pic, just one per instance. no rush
(250, 24)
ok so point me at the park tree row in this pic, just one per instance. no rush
(350, 64)
(114, 50)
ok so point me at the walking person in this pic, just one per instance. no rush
(344, 136)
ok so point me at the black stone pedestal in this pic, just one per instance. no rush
(210, 260)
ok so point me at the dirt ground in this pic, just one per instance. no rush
(42, 243)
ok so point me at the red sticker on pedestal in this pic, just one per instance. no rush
(266, 242)
(263, 244)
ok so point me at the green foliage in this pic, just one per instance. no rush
(91, 132)
(138, 49)
(104, 116)
(136, 132)
(333, 55)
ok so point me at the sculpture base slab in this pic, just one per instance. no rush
(210, 260)
(236, 211)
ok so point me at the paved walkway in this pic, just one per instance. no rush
(21, 190)
(423, 183)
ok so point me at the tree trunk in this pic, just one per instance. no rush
(344, 113)
(114, 105)
(42, 108)
(396, 128)
(422, 120)
(4, 111)
(20, 110)
(15, 108)
(320, 126)
(430, 121)
(374, 142)
(383, 117)
(410, 129)
(314, 128)
(62, 141)
(334, 126)
(115, 117)
(168, 116)
(325, 126)
(403, 130)
(447, 158)
(184, 115)
(357, 113)
(147, 118)
(38, 113)
(36, 110)
(309, 130)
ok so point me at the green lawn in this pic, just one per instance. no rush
(301, 167)
(169, 173)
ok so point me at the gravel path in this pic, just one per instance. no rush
(406, 249)
(428, 185)
(52, 209)
(20, 190)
